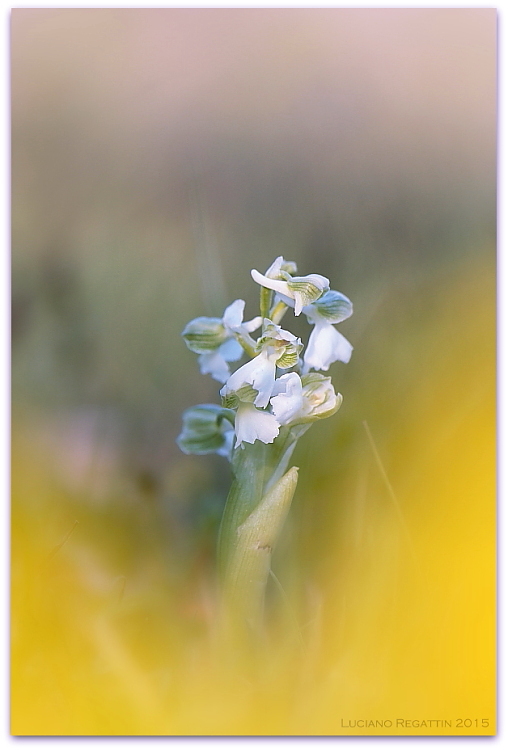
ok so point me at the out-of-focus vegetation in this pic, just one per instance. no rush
(158, 156)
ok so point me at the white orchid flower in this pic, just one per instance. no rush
(214, 339)
(279, 348)
(293, 290)
(304, 399)
(319, 397)
(259, 373)
(326, 345)
(253, 424)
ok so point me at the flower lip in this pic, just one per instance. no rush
(252, 424)
(215, 365)
(287, 400)
(326, 345)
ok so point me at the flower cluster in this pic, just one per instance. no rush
(279, 385)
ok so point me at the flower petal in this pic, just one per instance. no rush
(326, 345)
(287, 300)
(252, 325)
(252, 424)
(231, 350)
(226, 449)
(289, 403)
(260, 373)
(319, 396)
(281, 384)
(214, 364)
(273, 271)
(273, 331)
(279, 265)
(233, 314)
(332, 306)
(276, 284)
(306, 289)
(302, 289)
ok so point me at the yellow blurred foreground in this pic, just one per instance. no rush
(393, 634)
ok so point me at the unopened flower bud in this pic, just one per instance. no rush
(204, 335)
(207, 428)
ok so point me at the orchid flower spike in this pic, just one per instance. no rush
(255, 402)
(215, 339)
(297, 291)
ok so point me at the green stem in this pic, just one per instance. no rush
(247, 343)
(248, 566)
(278, 311)
(245, 494)
(253, 517)
(265, 301)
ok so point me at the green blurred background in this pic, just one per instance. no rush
(157, 156)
